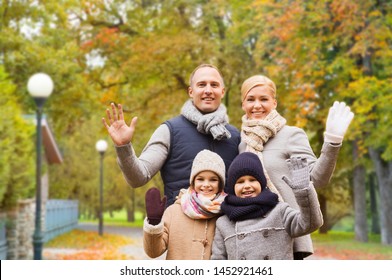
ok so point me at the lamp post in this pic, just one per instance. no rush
(40, 86)
(101, 147)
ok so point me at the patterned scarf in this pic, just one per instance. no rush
(199, 207)
(239, 209)
(255, 133)
(211, 123)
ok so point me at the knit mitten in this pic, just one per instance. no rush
(299, 171)
(338, 120)
(154, 206)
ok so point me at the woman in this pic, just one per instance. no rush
(264, 132)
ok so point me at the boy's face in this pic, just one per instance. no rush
(247, 186)
(207, 184)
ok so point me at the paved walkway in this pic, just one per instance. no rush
(134, 251)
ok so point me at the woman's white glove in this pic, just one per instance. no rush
(338, 120)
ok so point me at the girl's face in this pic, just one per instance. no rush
(258, 103)
(247, 186)
(206, 183)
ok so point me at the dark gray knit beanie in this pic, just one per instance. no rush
(245, 164)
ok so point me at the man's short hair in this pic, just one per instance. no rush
(202, 66)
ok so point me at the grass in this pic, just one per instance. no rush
(343, 246)
(118, 218)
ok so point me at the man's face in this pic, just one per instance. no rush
(206, 89)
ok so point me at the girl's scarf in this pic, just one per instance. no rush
(239, 209)
(211, 123)
(199, 207)
(255, 133)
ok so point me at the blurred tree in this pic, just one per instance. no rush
(368, 36)
(322, 51)
(17, 164)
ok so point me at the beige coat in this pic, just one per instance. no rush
(292, 141)
(183, 238)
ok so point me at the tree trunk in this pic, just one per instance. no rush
(373, 204)
(359, 182)
(130, 214)
(323, 205)
(384, 176)
(131, 207)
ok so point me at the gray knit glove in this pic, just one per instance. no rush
(299, 171)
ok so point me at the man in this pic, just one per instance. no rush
(202, 124)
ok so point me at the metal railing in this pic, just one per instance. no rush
(61, 217)
(3, 241)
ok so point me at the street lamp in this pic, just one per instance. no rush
(101, 147)
(40, 86)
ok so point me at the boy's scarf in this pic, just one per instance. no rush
(239, 209)
(211, 123)
(255, 133)
(199, 207)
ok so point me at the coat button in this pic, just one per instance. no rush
(265, 233)
(266, 257)
(241, 236)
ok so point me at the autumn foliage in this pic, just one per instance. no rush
(86, 245)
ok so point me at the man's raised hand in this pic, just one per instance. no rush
(119, 131)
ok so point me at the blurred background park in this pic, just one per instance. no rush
(141, 53)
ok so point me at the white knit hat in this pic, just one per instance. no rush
(207, 160)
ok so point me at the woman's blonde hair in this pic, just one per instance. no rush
(257, 80)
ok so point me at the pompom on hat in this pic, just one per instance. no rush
(206, 160)
(245, 164)
(257, 80)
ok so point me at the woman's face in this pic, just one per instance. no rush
(247, 186)
(206, 183)
(258, 103)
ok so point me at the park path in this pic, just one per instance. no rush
(135, 250)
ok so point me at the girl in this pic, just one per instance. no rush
(186, 228)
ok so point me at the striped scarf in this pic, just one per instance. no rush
(255, 133)
(212, 123)
(199, 207)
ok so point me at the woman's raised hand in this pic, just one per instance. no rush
(338, 120)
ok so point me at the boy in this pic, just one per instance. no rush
(256, 225)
